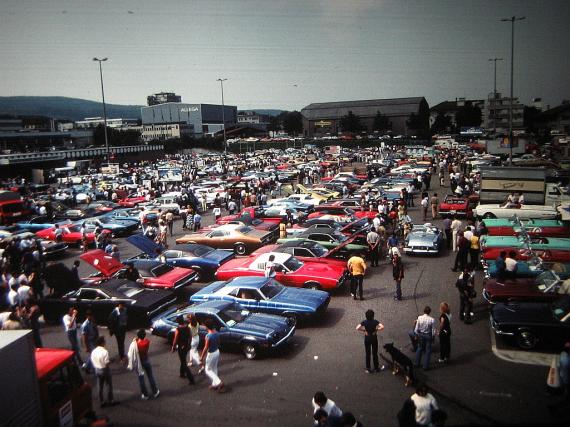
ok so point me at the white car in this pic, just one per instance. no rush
(521, 211)
(300, 198)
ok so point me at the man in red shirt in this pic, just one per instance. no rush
(140, 364)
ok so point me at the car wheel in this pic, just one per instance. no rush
(313, 285)
(240, 249)
(249, 350)
(489, 215)
(526, 339)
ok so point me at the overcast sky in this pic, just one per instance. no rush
(283, 53)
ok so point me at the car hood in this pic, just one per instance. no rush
(294, 296)
(172, 276)
(262, 325)
(148, 246)
(219, 256)
(422, 237)
(101, 261)
(153, 297)
(515, 313)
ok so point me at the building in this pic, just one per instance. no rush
(118, 124)
(253, 119)
(191, 119)
(450, 109)
(325, 118)
(557, 119)
(162, 98)
(496, 114)
(11, 125)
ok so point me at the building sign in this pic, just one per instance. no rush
(505, 142)
(471, 131)
(323, 123)
(188, 109)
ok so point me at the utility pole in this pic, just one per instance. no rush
(223, 116)
(494, 104)
(104, 108)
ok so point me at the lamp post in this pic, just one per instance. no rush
(223, 115)
(495, 95)
(512, 20)
(104, 107)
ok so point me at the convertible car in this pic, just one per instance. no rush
(117, 228)
(253, 333)
(530, 268)
(458, 206)
(153, 274)
(290, 271)
(424, 239)
(522, 211)
(142, 303)
(203, 259)
(532, 323)
(329, 239)
(240, 239)
(544, 288)
(533, 227)
(265, 295)
(548, 248)
(71, 234)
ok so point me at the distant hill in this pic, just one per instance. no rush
(60, 107)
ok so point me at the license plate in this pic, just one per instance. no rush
(452, 211)
(17, 214)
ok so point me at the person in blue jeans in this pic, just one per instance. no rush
(89, 336)
(426, 331)
(140, 363)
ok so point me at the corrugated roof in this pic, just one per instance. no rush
(363, 108)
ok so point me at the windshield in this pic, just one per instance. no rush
(271, 289)
(244, 229)
(546, 279)
(319, 251)
(129, 290)
(293, 264)
(159, 270)
(339, 237)
(201, 250)
(233, 315)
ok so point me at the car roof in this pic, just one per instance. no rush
(299, 244)
(253, 282)
(110, 287)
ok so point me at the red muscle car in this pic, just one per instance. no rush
(131, 201)
(71, 233)
(460, 206)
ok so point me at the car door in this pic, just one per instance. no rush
(249, 298)
(96, 301)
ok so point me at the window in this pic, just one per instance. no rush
(90, 294)
(302, 252)
(171, 254)
(250, 294)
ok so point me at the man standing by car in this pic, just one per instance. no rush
(448, 232)
(434, 202)
(373, 240)
(181, 343)
(357, 268)
(398, 275)
(456, 227)
(370, 326)
(70, 325)
(118, 320)
(465, 286)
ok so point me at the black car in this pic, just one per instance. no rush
(531, 323)
(142, 303)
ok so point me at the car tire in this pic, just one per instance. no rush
(249, 350)
(526, 339)
(313, 285)
(240, 249)
(489, 215)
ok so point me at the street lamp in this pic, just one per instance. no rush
(512, 20)
(223, 115)
(104, 107)
(495, 95)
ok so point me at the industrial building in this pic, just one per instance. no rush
(162, 98)
(174, 120)
(321, 119)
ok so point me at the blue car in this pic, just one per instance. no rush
(38, 223)
(123, 215)
(253, 333)
(203, 259)
(118, 228)
(265, 295)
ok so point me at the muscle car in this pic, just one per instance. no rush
(424, 239)
(253, 333)
(131, 201)
(153, 274)
(533, 227)
(550, 249)
(522, 211)
(543, 288)
(71, 233)
(290, 271)
(142, 304)
(265, 295)
(117, 228)
(240, 239)
(330, 239)
(532, 323)
(37, 223)
(458, 206)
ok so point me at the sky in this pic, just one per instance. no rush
(283, 54)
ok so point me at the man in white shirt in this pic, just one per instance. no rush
(320, 401)
(425, 403)
(100, 361)
(13, 299)
(23, 292)
(456, 227)
(511, 264)
(270, 267)
(425, 330)
(70, 326)
(468, 233)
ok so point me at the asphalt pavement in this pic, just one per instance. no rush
(486, 382)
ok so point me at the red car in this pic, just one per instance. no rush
(71, 234)
(460, 206)
(153, 274)
(290, 271)
(534, 227)
(544, 288)
(131, 201)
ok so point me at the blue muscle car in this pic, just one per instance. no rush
(252, 332)
(118, 228)
(203, 259)
(264, 294)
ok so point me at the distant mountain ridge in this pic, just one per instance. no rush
(61, 107)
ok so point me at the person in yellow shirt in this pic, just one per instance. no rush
(357, 268)
(474, 252)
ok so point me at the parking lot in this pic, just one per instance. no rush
(487, 381)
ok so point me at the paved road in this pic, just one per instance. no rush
(475, 388)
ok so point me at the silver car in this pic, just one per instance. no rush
(424, 239)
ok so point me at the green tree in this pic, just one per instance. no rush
(350, 123)
(382, 122)
(441, 124)
(293, 123)
(116, 137)
(468, 116)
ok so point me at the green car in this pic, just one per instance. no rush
(329, 239)
(537, 243)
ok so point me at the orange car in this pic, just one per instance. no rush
(239, 238)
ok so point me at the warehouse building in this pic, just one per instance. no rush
(321, 119)
(174, 120)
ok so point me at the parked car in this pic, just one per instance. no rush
(240, 239)
(71, 234)
(153, 274)
(458, 206)
(253, 333)
(308, 249)
(548, 248)
(290, 271)
(532, 323)
(204, 260)
(36, 223)
(117, 228)
(50, 248)
(544, 288)
(521, 211)
(329, 239)
(266, 295)
(424, 239)
(142, 304)
(533, 227)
